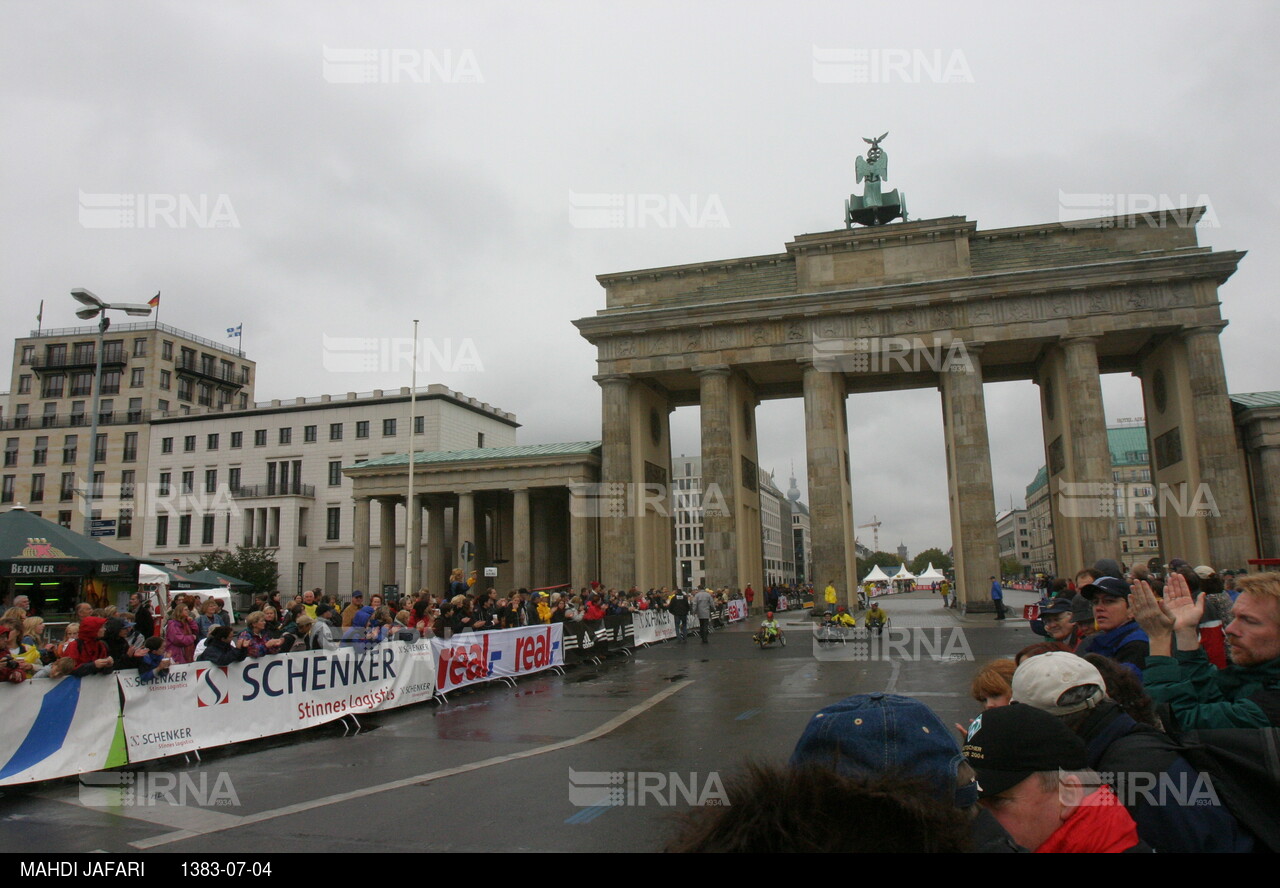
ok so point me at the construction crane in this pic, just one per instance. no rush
(875, 525)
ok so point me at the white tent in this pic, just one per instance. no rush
(930, 575)
(876, 576)
(903, 574)
(160, 596)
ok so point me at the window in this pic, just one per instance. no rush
(286, 436)
(130, 453)
(335, 473)
(205, 396)
(362, 429)
(64, 520)
(135, 410)
(166, 445)
(237, 440)
(37, 488)
(166, 379)
(166, 484)
(211, 442)
(69, 450)
(162, 522)
(106, 411)
(41, 451)
(188, 443)
(184, 530)
(206, 530)
(163, 405)
(28, 354)
(309, 434)
(335, 431)
(333, 523)
(127, 483)
(260, 438)
(124, 525)
(480, 440)
(184, 389)
(211, 481)
(6, 488)
(137, 376)
(83, 353)
(110, 382)
(11, 452)
(419, 424)
(24, 384)
(53, 386)
(140, 348)
(20, 418)
(188, 482)
(233, 479)
(100, 449)
(388, 428)
(67, 487)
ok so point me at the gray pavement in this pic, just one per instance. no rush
(511, 769)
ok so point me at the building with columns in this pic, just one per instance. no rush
(934, 303)
(271, 475)
(528, 513)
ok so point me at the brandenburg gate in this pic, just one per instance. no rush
(864, 309)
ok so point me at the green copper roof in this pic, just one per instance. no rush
(1041, 479)
(1128, 446)
(523, 451)
(1256, 399)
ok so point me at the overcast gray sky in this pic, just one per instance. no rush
(449, 185)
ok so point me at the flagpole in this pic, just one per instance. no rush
(411, 512)
(40, 318)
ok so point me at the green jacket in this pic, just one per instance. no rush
(1202, 696)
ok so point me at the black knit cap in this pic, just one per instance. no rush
(1008, 744)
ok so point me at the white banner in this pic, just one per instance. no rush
(653, 625)
(737, 610)
(56, 727)
(474, 657)
(199, 705)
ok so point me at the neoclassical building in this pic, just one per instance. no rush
(935, 303)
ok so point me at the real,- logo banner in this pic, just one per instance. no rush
(737, 610)
(198, 705)
(474, 657)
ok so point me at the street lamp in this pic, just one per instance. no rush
(94, 307)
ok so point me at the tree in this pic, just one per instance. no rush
(940, 560)
(252, 564)
(1011, 567)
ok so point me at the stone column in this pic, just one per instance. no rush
(1266, 493)
(581, 563)
(466, 531)
(360, 546)
(1221, 468)
(438, 562)
(719, 527)
(1090, 451)
(386, 541)
(972, 496)
(830, 499)
(522, 544)
(618, 567)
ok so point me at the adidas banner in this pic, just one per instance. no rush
(59, 727)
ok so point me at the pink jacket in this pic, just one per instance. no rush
(180, 640)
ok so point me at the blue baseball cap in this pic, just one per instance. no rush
(878, 734)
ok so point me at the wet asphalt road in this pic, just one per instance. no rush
(502, 769)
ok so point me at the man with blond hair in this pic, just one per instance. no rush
(1244, 695)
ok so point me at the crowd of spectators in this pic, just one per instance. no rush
(1145, 721)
